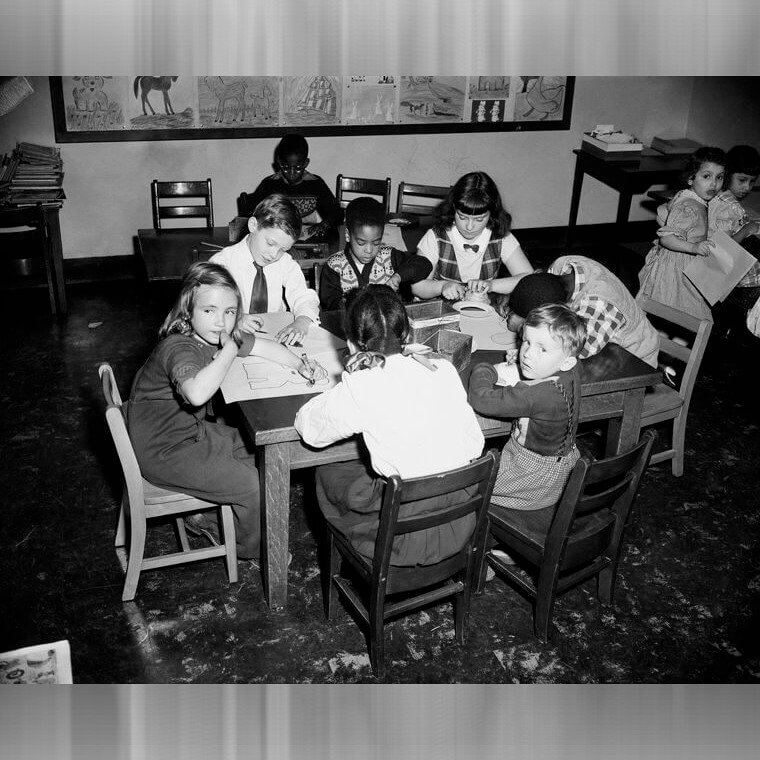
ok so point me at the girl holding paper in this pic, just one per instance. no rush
(684, 235)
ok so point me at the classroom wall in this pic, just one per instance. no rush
(725, 111)
(107, 184)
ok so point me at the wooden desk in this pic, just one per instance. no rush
(168, 253)
(613, 389)
(629, 176)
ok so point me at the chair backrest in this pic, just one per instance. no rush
(588, 524)
(353, 187)
(666, 317)
(182, 191)
(116, 424)
(421, 200)
(402, 493)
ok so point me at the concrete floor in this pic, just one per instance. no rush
(687, 599)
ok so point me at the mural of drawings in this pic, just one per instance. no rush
(238, 101)
(430, 99)
(162, 102)
(369, 100)
(540, 98)
(488, 87)
(491, 98)
(313, 100)
(94, 102)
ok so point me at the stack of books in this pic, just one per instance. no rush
(31, 174)
(675, 146)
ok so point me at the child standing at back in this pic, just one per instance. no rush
(318, 208)
(543, 396)
(684, 235)
(365, 260)
(415, 422)
(725, 212)
(177, 447)
(470, 242)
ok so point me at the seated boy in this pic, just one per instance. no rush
(317, 207)
(598, 296)
(263, 269)
(543, 396)
(365, 260)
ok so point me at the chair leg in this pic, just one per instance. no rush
(179, 522)
(136, 550)
(545, 595)
(679, 441)
(376, 644)
(50, 279)
(120, 540)
(331, 567)
(606, 583)
(228, 536)
(461, 613)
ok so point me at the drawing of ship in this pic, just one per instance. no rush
(320, 96)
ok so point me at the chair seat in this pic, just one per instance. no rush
(157, 495)
(660, 400)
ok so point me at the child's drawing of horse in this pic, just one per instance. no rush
(233, 93)
(162, 84)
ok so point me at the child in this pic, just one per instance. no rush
(605, 304)
(683, 236)
(176, 446)
(365, 260)
(319, 210)
(725, 212)
(262, 268)
(415, 422)
(470, 242)
(544, 399)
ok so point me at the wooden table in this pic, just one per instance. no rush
(629, 176)
(613, 389)
(168, 253)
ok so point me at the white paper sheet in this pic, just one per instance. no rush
(41, 664)
(255, 378)
(488, 333)
(716, 275)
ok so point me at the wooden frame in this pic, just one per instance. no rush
(106, 108)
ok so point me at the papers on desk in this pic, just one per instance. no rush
(716, 275)
(255, 378)
(489, 333)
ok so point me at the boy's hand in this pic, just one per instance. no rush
(479, 286)
(294, 332)
(453, 291)
(250, 323)
(703, 248)
(394, 281)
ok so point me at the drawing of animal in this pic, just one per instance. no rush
(90, 96)
(162, 84)
(233, 93)
(261, 102)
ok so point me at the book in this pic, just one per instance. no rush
(589, 141)
(675, 146)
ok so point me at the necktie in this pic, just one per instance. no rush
(259, 295)
(473, 247)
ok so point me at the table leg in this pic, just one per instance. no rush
(275, 509)
(623, 211)
(56, 251)
(623, 432)
(575, 201)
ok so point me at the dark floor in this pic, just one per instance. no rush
(687, 600)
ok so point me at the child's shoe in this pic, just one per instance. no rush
(503, 556)
(203, 524)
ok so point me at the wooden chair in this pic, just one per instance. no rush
(19, 248)
(377, 578)
(420, 200)
(141, 501)
(356, 186)
(583, 540)
(182, 191)
(665, 402)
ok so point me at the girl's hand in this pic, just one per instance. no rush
(453, 291)
(250, 323)
(479, 286)
(295, 332)
(703, 248)
(225, 338)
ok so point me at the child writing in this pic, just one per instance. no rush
(262, 268)
(684, 235)
(365, 260)
(725, 212)
(470, 242)
(319, 210)
(415, 422)
(176, 446)
(543, 395)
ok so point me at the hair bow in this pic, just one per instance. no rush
(364, 360)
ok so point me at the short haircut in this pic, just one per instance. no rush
(537, 289)
(703, 156)
(200, 273)
(292, 145)
(277, 211)
(563, 324)
(742, 159)
(364, 211)
(376, 319)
